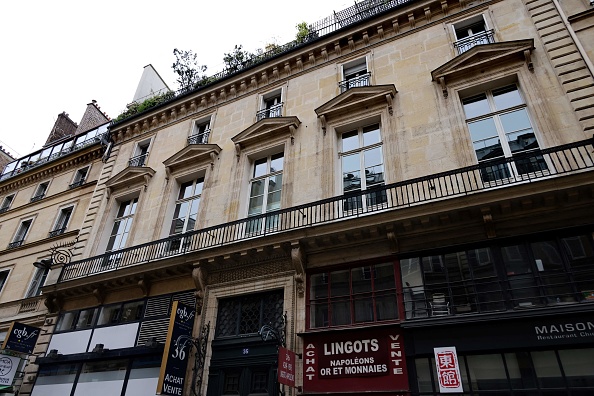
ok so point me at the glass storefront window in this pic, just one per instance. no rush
(520, 370)
(424, 379)
(487, 372)
(547, 369)
(578, 365)
(101, 378)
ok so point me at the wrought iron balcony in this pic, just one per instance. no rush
(567, 159)
(273, 111)
(15, 244)
(467, 43)
(139, 160)
(199, 138)
(37, 197)
(2, 210)
(359, 81)
(57, 232)
(77, 184)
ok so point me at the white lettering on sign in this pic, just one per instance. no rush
(395, 353)
(172, 390)
(338, 348)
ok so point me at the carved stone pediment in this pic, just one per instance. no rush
(483, 56)
(194, 155)
(129, 177)
(357, 99)
(265, 129)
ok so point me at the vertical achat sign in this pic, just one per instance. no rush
(177, 349)
(448, 370)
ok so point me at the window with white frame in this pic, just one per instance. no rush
(265, 191)
(355, 74)
(40, 191)
(122, 225)
(362, 167)
(471, 32)
(200, 132)
(500, 128)
(37, 282)
(21, 233)
(6, 202)
(3, 278)
(79, 177)
(62, 221)
(271, 105)
(186, 209)
(140, 154)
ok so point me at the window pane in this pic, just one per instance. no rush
(66, 321)
(339, 283)
(260, 167)
(341, 313)
(371, 135)
(319, 315)
(318, 286)
(424, 375)
(109, 314)
(86, 318)
(515, 121)
(132, 311)
(185, 191)
(547, 369)
(487, 372)
(520, 370)
(350, 141)
(276, 162)
(386, 307)
(384, 277)
(577, 365)
(363, 309)
(476, 105)
(507, 97)
(361, 278)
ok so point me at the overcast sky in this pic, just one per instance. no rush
(59, 55)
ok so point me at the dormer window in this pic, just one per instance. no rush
(471, 32)
(271, 105)
(355, 74)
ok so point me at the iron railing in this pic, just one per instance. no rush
(199, 138)
(4, 209)
(77, 184)
(561, 160)
(139, 160)
(37, 197)
(15, 244)
(463, 45)
(359, 81)
(272, 111)
(57, 232)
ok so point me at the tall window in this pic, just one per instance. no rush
(355, 75)
(122, 225)
(3, 278)
(62, 222)
(362, 166)
(40, 191)
(271, 106)
(186, 209)
(472, 32)
(352, 296)
(238, 316)
(79, 177)
(200, 132)
(500, 128)
(21, 234)
(6, 202)
(37, 282)
(265, 191)
(140, 154)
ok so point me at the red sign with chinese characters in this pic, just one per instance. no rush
(448, 370)
(286, 367)
(355, 361)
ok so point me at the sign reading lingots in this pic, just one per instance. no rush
(177, 349)
(21, 338)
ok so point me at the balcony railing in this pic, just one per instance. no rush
(359, 81)
(5, 209)
(567, 159)
(467, 43)
(57, 232)
(77, 184)
(37, 197)
(273, 111)
(15, 244)
(139, 160)
(199, 138)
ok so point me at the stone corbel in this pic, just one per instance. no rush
(108, 192)
(299, 265)
(351, 43)
(444, 7)
(393, 241)
(253, 83)
(292, 130)
(489, 224)
(200, 277)
(223, 94)
(173, 115)
(146, 181)
(275, 72)
(167, 172)
(145, 125)
(411, 20)
(528, 59)
(163, 120)
(390, 104)
(193, 107)
(312, 59)
(213, 157)
(99, 294)
(264, 78)
(325, 54)
(232, 90)
(154, 122)
(182, 110)
(144, 286)
(366, 37)
(53, 303)
(237, 151)
(299, 63)
(444, 88)
(380, 32)
(427, 13)
(323, 119)
(287, 68)
(337, 48)
(396, 26)
(242, 86)
(213, 99)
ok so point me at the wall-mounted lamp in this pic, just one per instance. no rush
(43, 264)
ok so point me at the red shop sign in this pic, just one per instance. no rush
(286, 367)
(355, 361)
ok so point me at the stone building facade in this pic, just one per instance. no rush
(415, 175)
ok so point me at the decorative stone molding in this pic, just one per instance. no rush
(193, 155)
(299, 264)
(264, 130)
(380, 32)
(130, 177)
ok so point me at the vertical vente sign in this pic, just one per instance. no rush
(448, 370)
(177, 350)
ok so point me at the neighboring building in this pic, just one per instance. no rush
(417, 174)
(43, 200)
(5, 157)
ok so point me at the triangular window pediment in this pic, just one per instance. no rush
(265, 129)
(131, 176)
(483, 56)
(357, 99)
(194, 155)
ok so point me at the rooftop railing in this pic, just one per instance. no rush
(561, 160)
(55, 151)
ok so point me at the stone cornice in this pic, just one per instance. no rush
(194, 155)
(265, 129)
(132, 176)
(329, 48)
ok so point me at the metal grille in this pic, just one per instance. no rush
(247, 314)
(157, 306)
(186, 298)
(153, 328)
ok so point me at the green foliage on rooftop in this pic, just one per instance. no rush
(137, 108)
